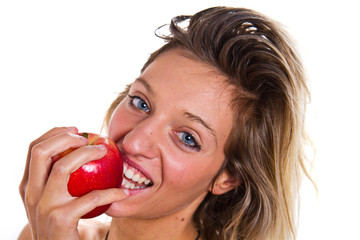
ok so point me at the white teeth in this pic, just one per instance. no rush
(124, 181)
(129, 173)
(133, 178)
(136, 177)
(127, 185)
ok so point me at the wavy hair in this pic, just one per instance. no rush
(265, 148)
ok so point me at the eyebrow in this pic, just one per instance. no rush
(146, 84)
(198, 119)
(187, 115)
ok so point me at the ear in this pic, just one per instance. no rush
(224, 183)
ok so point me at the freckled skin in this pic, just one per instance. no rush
(181, 176)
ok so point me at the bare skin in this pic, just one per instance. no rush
(89, 229)
(171, 126)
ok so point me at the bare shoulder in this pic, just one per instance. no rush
(93, 229)
(88, 228)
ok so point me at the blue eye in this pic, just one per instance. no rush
(138, 103)
(189, 140)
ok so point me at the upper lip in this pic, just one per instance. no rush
(135, 165)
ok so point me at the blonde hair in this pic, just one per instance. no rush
(265, 148)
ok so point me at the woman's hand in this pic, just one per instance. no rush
(52, 212)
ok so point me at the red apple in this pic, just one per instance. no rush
(99, 174)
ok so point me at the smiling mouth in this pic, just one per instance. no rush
(134, 179)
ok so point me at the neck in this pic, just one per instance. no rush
(177, 225)
(171, 227)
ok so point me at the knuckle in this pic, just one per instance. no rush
(87, 150)
(56, 129)
(58, 169)
(94, 196)
(38, 150)
(69, 135)
(40, 211)
(113, 193)
(65, 134)
(90, 152)
(58, 218)
(30, 200)
(32, 144)
(22, 188)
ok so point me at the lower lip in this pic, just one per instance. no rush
(138, 191)
(130, 163)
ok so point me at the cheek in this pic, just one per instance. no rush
(121, 122)
(190, 173)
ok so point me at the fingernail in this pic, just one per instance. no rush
(73, 129)
(101, 147)
(126, 191)
(85, 140)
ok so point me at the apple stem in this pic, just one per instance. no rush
(85, 135)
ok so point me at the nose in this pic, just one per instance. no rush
(143, 139)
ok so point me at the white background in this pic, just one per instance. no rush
(62, 63)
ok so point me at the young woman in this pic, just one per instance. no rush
(213, 127)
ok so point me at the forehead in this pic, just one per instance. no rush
(189, 85)
(176, 68)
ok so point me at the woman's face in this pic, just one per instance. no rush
(171, 129)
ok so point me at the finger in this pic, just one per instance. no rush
(62, 169)
(30, 196)
(93, 199)
(64, 218)
(51, 133)
(40, 160)
(40, 165)
(31, 193)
